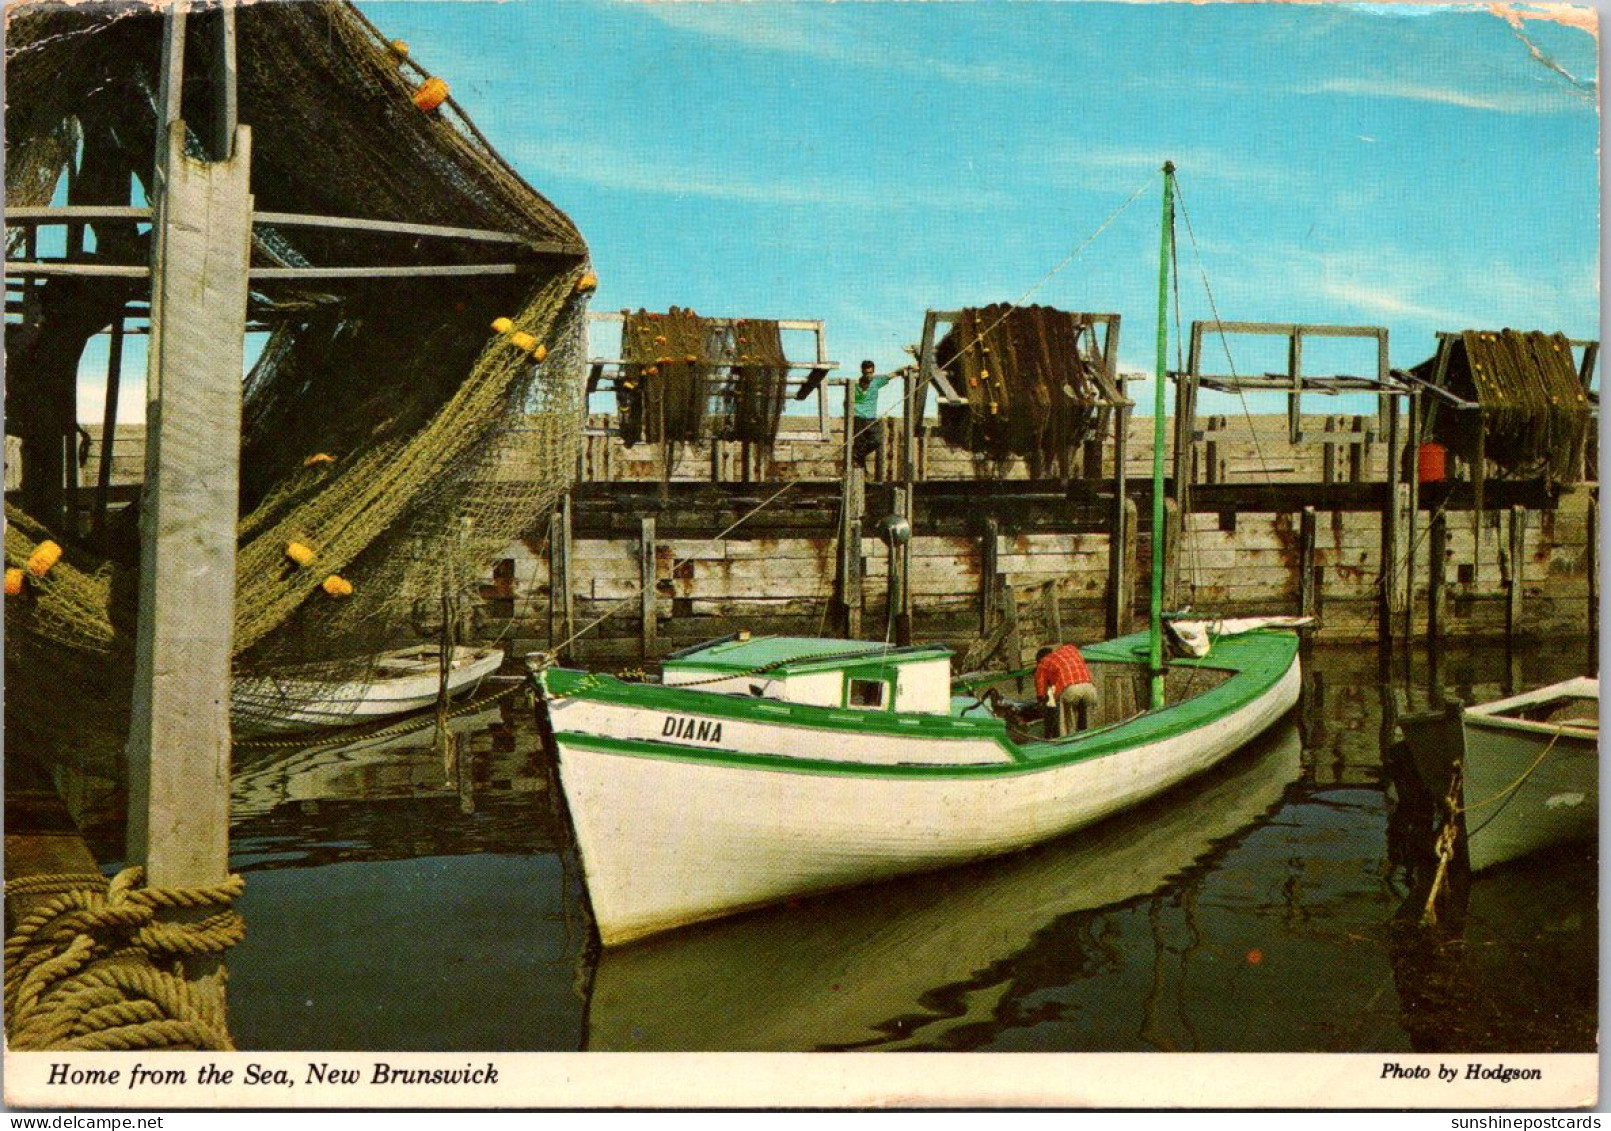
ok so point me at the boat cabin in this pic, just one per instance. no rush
(857, 675)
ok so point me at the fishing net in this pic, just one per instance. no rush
(1535, 417)
(760, 381)
(668, 374)
(689, 378)
(1027, 374)
(394, 440)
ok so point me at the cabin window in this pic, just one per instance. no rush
(868, 694)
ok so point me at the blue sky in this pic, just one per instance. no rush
(1416, 167)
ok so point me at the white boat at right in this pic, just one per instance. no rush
(1532, 773)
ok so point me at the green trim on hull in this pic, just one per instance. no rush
(1259, 659)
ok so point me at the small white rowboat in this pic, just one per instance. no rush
(1532, 774)
(398, 682)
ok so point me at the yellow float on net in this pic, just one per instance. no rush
(45, 555)
(337, 586)
(503, 325)
(300, 554)
(524, 340)
(399, 48)
(13, 582)
(588, 282)
(431, 94)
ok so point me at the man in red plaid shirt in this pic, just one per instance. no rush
(1063, 684)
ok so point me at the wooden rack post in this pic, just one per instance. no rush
(647, 582)
(179, 742)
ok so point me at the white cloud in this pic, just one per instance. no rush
(820, 31)
(640, 170)
(1519, 100)
(1395, 286)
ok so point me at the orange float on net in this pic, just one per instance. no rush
(503, 325)
(431, 94)
(13, 582)
(337, 586)
(540, 353)
(588, 282)
(300, 554)
(522, 339)
(45, 555)
(317, 460)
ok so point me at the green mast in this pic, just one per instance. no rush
(1158, 534)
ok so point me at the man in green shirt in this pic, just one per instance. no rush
(866, 430)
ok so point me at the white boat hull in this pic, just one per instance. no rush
(273, 705)
(667, 841)
(1528, 785)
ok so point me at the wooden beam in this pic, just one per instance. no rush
(899, 589)
(38, 215)
(411, 271)
(1591, 557)
(179, 745)
(1410, 460)
(1393, 580)
(1121, 532)
(989, 576)
(852, 500)
(647, 581)
(171, 84)
(399, 228)
(103, 479)
(224, 92)
(850, 549)
(1437, 606)
(1516, 562)
(561, 587)
(1289, 329)
(1307, 575)
(1171, 555)
(1124, 601)
(24, 268)
(1479, 480)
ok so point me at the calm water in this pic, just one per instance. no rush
(1259, 908)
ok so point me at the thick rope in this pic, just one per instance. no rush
(93, 968)
(1449, 833)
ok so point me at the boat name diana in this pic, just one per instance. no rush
(700, 730)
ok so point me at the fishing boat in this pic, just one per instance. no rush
(914, 962)
(398, 682)
(1532, 771)
(757, 770)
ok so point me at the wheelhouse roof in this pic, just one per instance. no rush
(787, 655)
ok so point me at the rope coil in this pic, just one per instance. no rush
(93, 969)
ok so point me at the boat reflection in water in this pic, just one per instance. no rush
(368, 768)
(871, 967)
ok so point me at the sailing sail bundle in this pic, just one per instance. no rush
(393, 439)
(1535, 415)
(1028, 382)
